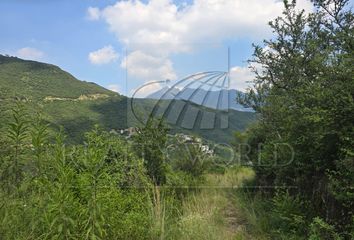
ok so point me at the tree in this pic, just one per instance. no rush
(304, 90)
(149, 143)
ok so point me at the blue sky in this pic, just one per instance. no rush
(161, 39)
(61, 31)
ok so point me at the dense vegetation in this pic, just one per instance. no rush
(304, 90)
(52, 191)
(102, 189)
(100, 185)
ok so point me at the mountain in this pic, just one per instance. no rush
(77, 105)
(62, 99)
(36, 80)
(216, 99)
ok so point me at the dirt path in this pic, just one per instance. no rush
(211, 213)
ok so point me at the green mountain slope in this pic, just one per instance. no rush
(78, 106)
(62, 99)
(35, 80)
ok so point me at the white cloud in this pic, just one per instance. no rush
(93, 13)
(160, 28)
(30, 53)
(147, 67)
(241, 78)
(114, 88)
(104, 55)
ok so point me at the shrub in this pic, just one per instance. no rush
(320, 230)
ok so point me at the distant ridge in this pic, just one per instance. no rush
(220, 99)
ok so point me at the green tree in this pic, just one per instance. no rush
(304, 90)
(149, 143)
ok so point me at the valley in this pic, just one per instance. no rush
(77, 105)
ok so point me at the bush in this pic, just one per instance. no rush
(92, 191)
(320, 230)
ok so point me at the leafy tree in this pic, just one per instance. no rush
(304, 90)
(149, 142)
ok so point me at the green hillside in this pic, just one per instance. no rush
(77, 105)
(35, 81)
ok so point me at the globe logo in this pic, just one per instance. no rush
(197, 102)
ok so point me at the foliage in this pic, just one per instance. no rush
(53, 191)
(103, 189)
(17, 135)
(149, 143)
(304, 93)
(190, 158)
(320, 230)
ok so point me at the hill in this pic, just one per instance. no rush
(77, 105)
(35, 81)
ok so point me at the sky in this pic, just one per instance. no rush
(122, 45)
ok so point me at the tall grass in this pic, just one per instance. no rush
(208, 212)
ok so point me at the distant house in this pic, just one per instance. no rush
(183, 138)
(206, 149)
